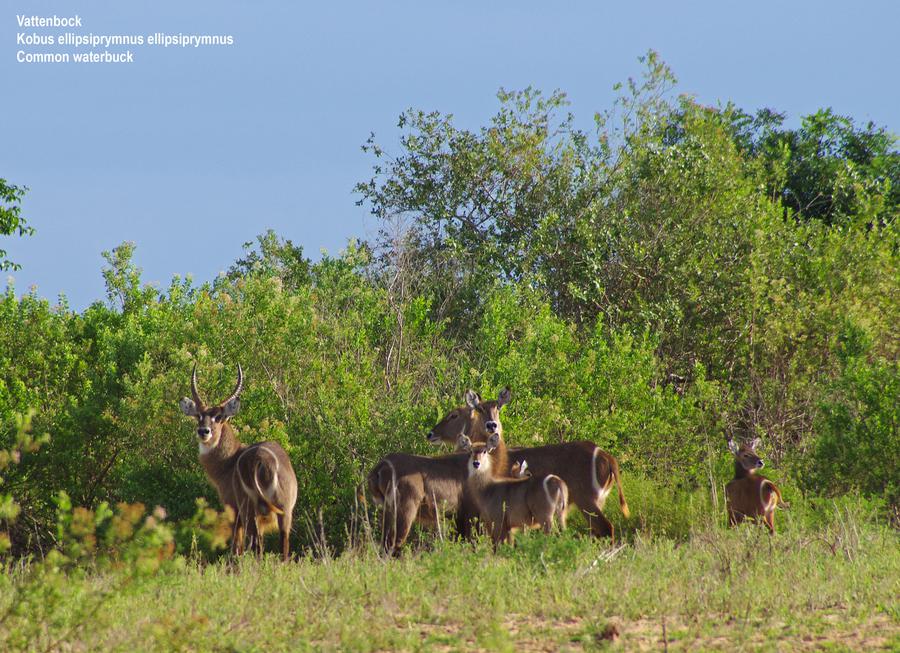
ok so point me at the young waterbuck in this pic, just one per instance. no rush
(588, 471)
(748, 494)
(257, 482)
(509, 503)
(420, 489)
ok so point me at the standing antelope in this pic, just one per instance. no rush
(588, 471)
(422, 489)
(509, 503)
(748, 494)
(257, 482)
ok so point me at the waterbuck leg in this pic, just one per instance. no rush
(284, 528)
(237, 536)
(465, 518)
(252, 533)
(499, 532)
(405, 516)
(388, 528)
(260, 540)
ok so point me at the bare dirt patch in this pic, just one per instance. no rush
(536, 634)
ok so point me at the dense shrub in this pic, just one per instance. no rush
(651, 286)
(859, 432)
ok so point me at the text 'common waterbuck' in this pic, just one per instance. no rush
(505, 504)
(257, 481)
(588, 471)
(748, 494)
(421, 489)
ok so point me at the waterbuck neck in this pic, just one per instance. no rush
(500, 461)
(221, 457)
(741, 472)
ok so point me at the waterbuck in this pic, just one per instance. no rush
(257, 481)
(421, 489)
(588, 471)
(748, 494)
(505, 504)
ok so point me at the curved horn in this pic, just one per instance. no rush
(238, 387)
(194, 393)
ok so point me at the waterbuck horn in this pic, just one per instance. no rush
(238, 387)
(196, 395)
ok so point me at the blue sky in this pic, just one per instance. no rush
(191, 152)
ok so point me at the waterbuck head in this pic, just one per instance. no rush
(211, 419)
(478, 419)
(479, 455)
(747, 461)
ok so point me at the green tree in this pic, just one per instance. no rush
(11, 220)
(828, 169)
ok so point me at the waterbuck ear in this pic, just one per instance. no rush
(493, 442)
(188, 407)
(231, 408)
(463, 443)
(503, 398)
(755, 442)
(472, 399)
(732, 447)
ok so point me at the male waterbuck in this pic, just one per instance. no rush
(422, 489)
(588, 471)
(257, 482)
(505, 504)
(748, 494)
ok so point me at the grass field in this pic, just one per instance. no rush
(832, 585)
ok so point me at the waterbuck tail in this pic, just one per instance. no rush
(558, 495)
(774, 495)
(262, 495)
(382, 482)
(562, 505)
(615, 471)
(374, 486)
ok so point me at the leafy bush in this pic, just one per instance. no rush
(646, 286)
(859, 432)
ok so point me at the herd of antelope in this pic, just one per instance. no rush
(482, 483)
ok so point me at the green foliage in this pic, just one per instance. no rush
(103, 536)
(673, 222)
(828, 169)
(11, 221)
(648, 285)
(591, 384)
(859, 432)
(48, 601)
(22, 442)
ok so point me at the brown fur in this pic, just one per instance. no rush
(588, 471)
(419, 489)
(749, 495)
(506, 504)
(257, 481)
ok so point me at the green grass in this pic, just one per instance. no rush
(828, 581)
